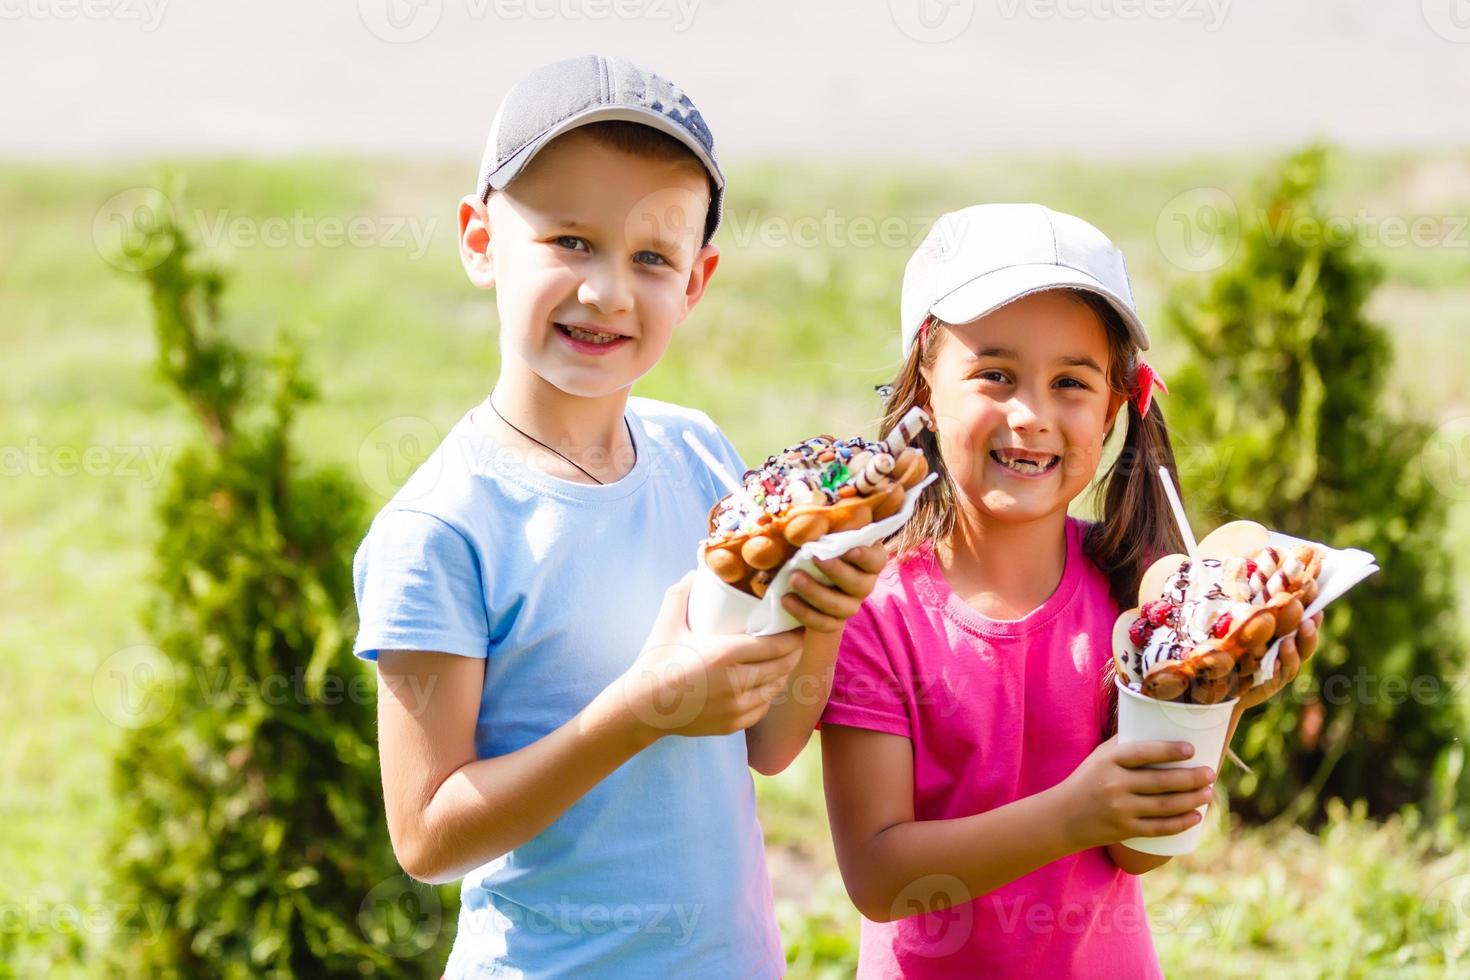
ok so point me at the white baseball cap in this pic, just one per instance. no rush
(981, 258)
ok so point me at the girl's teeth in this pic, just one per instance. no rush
(1024, 465)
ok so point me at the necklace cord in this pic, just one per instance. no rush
(564, 456)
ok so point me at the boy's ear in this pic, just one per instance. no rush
(703, 267)
(474, 242)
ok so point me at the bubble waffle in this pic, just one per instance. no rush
(817, 487)
(1202, 628)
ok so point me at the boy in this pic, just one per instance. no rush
(546, 731)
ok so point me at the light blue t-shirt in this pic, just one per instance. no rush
(659, 871)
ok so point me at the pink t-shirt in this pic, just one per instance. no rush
(996, 711)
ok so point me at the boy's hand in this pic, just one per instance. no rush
(1112, 797)
(825, 608)
(1295, 650)
(689, 684)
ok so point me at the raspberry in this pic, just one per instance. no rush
(1221, 627)
(1157, 612)
(1250, 568)
(1138, 632)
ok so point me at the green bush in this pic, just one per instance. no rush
(251, 812)
(1281, 419)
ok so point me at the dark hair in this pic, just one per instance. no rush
(639, 140)
(934, 512)
(1136, 526)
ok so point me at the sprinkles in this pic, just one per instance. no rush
(810, 472)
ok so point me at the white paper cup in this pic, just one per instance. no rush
(1144, 719)
(716, 606)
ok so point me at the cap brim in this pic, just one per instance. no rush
(501, 176)
(995, 289)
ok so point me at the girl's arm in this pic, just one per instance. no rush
(895, 866)
(778, 738)
(1135, 862)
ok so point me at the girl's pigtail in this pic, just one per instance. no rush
(933, 518)
(1137, 525)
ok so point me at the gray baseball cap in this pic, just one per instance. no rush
(559, 97)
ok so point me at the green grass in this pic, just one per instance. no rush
(1360, 900)
(790, 340)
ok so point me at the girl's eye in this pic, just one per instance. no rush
(1072, 383)
(570, 242)
(993, 375)
(650, 258)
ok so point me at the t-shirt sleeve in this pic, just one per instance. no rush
(729, 455)
(866, 692)
(702, 430)
(419, 587)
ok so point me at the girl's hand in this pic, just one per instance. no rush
(826, 608)
(1112, 796)
(1295, 650)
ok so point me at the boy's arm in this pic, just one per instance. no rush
(449, 811)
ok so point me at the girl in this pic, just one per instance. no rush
(976, 808)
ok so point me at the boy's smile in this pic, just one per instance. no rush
(591, 339)
(595, 257)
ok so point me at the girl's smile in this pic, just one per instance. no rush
(1025, 465)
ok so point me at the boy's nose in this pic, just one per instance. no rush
(606, 289)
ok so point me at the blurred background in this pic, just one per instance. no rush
(235, 323)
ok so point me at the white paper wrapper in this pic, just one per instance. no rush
(1341, 570)
(1144, 719)
(718, 607)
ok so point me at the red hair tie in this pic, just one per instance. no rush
(1143, 387)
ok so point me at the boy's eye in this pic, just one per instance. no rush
(570, 242)
(650, 258)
